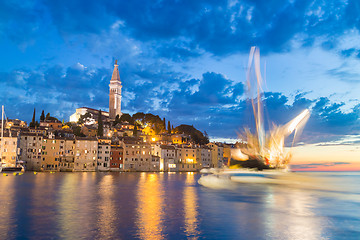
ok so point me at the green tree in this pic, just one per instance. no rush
(126, 118)
(47, 116)
(117, 120)
(135, 131)
(32, 124)
(196, 136)
(42, 117)
(139, 116)
(100, 130)
(169, 128)
(83, 118)
(77, 131)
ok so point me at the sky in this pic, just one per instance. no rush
(186, 61)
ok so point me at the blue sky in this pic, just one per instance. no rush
(186, 60)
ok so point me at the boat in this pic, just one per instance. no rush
(5, 167)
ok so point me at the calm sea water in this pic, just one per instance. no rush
(175, 206)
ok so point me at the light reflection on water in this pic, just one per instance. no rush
(172, 206)
(150, 207)
(7, 208)
(191, 207)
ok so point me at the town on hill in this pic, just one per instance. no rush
(95, 140)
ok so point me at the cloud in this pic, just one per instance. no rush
(183, 29)
(212, 103)
(316, 165)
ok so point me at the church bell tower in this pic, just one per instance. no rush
(115, 93)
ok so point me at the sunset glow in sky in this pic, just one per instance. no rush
(186, 61)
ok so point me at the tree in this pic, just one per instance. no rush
(164, 124)
(196, 136)
(47, 116)
(100, 130)
(139, 116)
(206, 136)
(169, 128)
(117, 120)
(32, 124)
(77, 131)
(126, 118)
(135, 131)
(42, 117)
(84, 118)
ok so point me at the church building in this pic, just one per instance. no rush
(115, 93)
(114, 101)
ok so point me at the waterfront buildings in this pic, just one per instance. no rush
(30, 150)
(187, 158)
(116, 158)
(85, 154)
(76, 146)
(103, 158)
(9, 148)
(67, 155)
(51, 151)
(137, 154)
(217, 154)
(167, 155)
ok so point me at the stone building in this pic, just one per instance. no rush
(205, 158)
(103, 158)
(167, 155)
(67, 156)
(217, 154)
(137, 155)
(85, 154)
(9, 148)
(51, 153)
(187, 158)
(116, 158)
(51, 124)
(30, 150)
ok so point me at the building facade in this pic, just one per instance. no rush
(9, 149)
(137, 155)
(67, 156)
(30, 150)
(116, 158)
(103, 159)
(85, 154)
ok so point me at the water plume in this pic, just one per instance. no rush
(267, 148)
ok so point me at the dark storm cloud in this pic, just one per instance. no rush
(327, 120)
(187, 28)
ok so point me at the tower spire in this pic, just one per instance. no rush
(116, 76)
(115, 93)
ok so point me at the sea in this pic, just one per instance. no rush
(95, 205)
